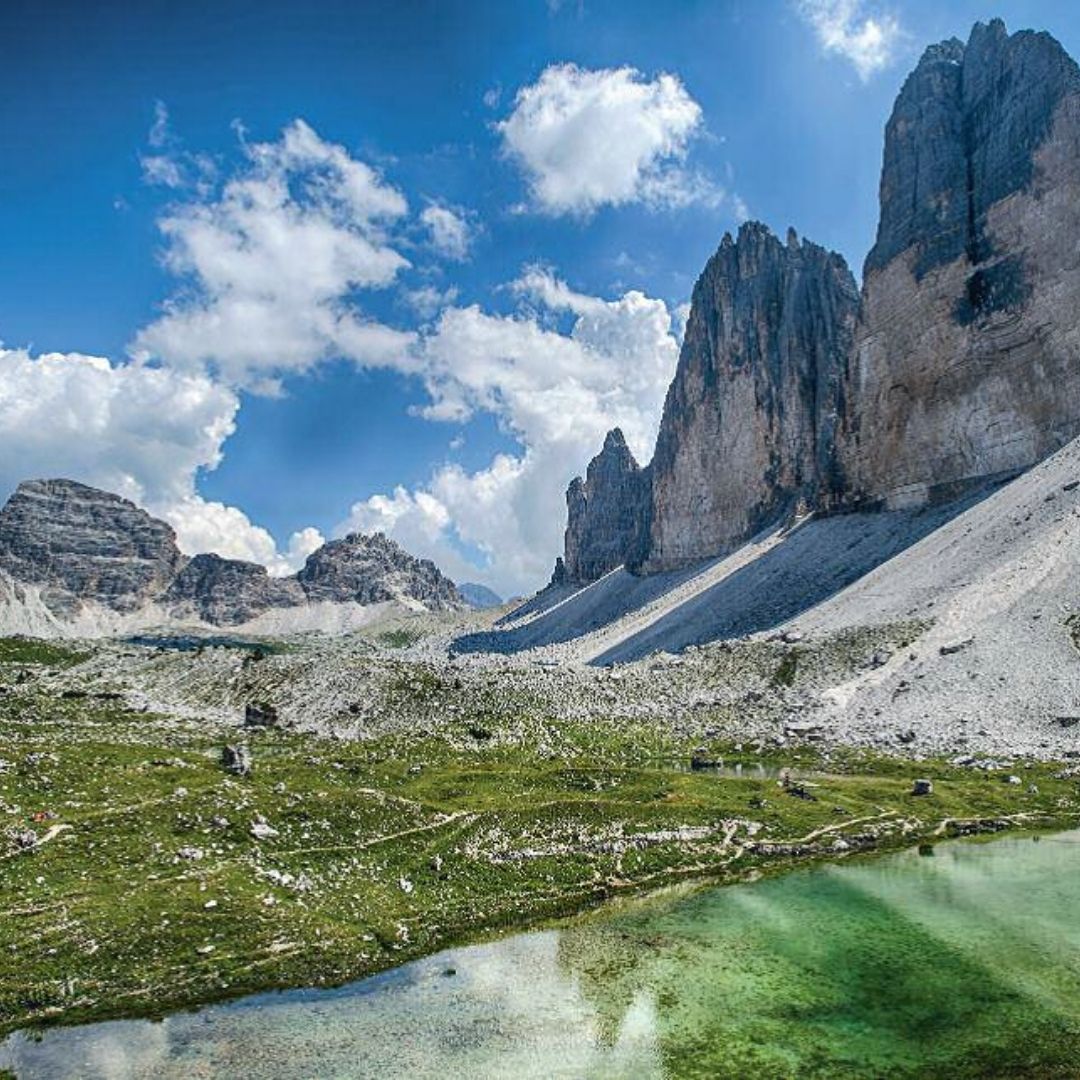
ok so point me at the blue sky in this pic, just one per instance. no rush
(452, 295)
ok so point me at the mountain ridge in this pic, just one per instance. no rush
(69, 551)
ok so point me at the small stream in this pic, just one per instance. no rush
(959, 961)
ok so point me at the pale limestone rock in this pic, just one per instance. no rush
(967, 361)
(748, 427)
(77, 544)
(607, 514)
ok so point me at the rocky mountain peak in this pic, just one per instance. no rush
(226, 592)
(371, 569)
(749, 420)
(81, 548)
(78, 543)
(962, 136)
(957, 364)
(965, 363)
(607, 513)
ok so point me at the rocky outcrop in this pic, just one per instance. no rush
(959, 363)
(749, 423)
(607, 514)
(78, 544)
(373, 569)
(967, 361)
(227, 592)
(73, 556)
(748, 432)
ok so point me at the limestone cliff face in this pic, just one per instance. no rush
(607, 514)
(960, 361)
(967, 360)
(749, 423)
(77, 543)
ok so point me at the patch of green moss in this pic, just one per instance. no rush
(784, 675)
(400, 638)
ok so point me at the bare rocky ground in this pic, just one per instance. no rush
(957, 636)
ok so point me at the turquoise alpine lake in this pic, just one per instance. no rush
(960, 960)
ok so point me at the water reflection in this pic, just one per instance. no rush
(966, 964)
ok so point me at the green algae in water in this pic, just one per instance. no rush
(960, 963)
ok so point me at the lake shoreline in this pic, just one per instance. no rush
(149, 867)
(685, 881)
(644, 921)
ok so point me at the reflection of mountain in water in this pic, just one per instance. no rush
(964, 965)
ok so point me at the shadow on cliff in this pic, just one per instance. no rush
(629, 617)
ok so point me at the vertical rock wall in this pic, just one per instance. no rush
(749, 423)
(967, 360)
(607, 514)
(960, 362)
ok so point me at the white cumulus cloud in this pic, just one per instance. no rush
(843, 27)
(204, 525)
(591, 138)
(271, 262)
(449, 231)
(141, 432)
(428, 300)
(557, 393)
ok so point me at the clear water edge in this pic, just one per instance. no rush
(963, 964)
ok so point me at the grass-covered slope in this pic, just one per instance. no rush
(138, 875)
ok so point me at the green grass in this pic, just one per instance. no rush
(384, 849)
(400, 638)
(786, 670)
(24, 650)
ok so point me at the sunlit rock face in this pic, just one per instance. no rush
(967, 360)
(374, 569)
(748, 430)
(226, 592)
(960, 361)
(68, 550)
(749, 425)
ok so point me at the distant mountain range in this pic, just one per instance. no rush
(797, 394)
(76, 560)
(479, 596)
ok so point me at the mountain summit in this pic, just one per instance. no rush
(957, 363)
(76, 559)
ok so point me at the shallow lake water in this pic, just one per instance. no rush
(963, 960)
